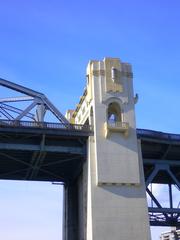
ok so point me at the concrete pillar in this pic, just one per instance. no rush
(70, 231)
(75, 208)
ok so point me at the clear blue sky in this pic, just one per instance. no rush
(46, 45)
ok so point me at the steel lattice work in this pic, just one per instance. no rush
(161, 159)
(32, 148)
(35, 109)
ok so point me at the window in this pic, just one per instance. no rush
(87, 79)
(114, 74)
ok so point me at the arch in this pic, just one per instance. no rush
(114, 113)
(113, 99)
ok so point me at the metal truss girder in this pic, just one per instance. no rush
(15, 159)
(164, 210)
(29, 165)
(163, 161)
(36, 166)
(16, 99)
(11, 173)
(37, 160)
(157, 218)
(19, 88)
(38, 97)
(53, 109)
(6, 114)
(166, 151)
(60, 161)
(160, 216)
(33, 147)
(165, 166)
(152, 176)
(162, 223)
(30, 169)
(61, 178)
(174, 178)
(153, 198)
(26, 111)
(157, 203)
(15, 110)
(10, 127)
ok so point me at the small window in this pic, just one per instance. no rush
(114, 74)
(87, 79)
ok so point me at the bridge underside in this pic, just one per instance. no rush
(161, 159)
(41, 154)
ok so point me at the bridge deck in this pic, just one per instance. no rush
(55, 152)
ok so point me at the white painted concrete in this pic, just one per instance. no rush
(116, 198)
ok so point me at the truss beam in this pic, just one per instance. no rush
(30, 95)
(34, 147)
(16, 99)
(159, 215)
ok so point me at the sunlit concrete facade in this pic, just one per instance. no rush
(112, 183)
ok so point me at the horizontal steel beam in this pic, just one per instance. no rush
(159, 161)
(157, 223)
(19, 88)
(21, 124)
(33, 147)
(156, 136)
(48, 131)
(164, 210)
(16, 99)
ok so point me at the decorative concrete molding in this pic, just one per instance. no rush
(114, 87)
(112, 99)
(116, 127)
(98, 73)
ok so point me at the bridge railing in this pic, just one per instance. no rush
(44, 125)
(158, 135)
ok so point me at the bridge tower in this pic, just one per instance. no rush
(109, 198)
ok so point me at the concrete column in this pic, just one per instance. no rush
(116, 195)
(71, 212)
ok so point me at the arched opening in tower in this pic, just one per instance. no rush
(114, 113)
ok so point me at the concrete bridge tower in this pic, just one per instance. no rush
(111, 196)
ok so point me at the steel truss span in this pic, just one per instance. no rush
(161, 159)
(32, 105)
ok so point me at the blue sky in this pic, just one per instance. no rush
(46, 45)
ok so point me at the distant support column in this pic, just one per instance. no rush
(70, 231)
